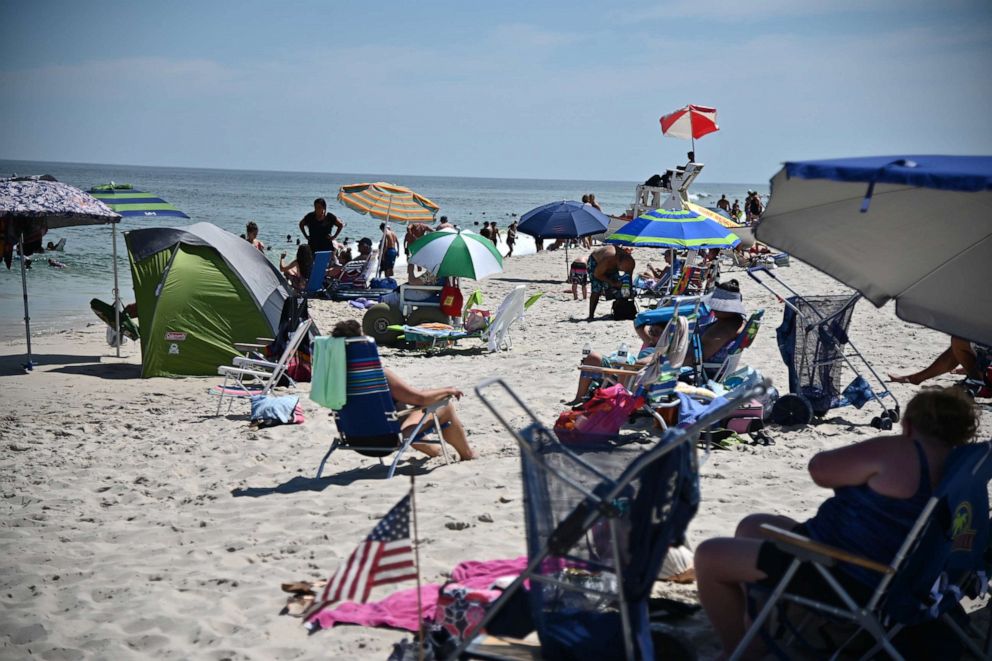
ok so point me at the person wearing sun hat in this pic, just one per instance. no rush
(727, 321)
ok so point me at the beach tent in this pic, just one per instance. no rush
(199, 290)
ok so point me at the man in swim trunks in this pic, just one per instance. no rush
(605, 265)
(391, 249)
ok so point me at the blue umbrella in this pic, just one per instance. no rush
(567, 219)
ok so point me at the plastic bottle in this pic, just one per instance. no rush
(622, 352)
(586, 350)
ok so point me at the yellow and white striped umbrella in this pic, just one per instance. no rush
(388, 202)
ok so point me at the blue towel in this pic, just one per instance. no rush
(329, 380)
(268, 408)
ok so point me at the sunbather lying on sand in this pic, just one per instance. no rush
(406, 395)
(880, 488)
(968, 355)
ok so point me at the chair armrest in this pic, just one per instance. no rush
(266, 341)
(249, 346)
(610, 370)
(227, 370)
(789, 541)
(241, 361)
(429, 408)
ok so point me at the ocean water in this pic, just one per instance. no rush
(59, 298)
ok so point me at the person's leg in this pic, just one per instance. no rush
(454, 433)
(593, 302)
(722, 566)
(584, 291)
(965, 355)
(585, 378)
(575, 291)
(750, 526)
(944, 363)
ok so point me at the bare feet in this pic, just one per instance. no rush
(472, 454)
(906, 378)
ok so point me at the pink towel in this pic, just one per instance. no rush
(399, 610)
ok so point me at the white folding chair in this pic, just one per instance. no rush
(253, 376)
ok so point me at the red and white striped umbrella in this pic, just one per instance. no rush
(690, 122)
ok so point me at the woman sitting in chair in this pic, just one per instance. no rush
(406, 395)
(880, 488)
(298, 270)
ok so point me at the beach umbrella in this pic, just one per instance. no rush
(388, 202)
(913, 229)
(679, 229)
(458, 253)
(130, 203)
(33, 205)
(567, 219)
(689, 123)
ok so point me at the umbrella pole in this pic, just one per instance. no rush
(566, 256)
(24, 289)
(117, 297)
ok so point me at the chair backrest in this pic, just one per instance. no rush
(369, 412)
(294, 341)
(321, 260)
(949, 538)
(737, 346)
(510, 310)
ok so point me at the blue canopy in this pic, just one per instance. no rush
(954, 173)
(679, 228)
(566, 219)
(128, 202)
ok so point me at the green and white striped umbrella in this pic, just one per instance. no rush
(456, 254)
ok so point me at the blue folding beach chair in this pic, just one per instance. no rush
(369, 423)
(599, 525)
(948, 540)
(315, 284)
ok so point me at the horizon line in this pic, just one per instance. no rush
(397, 174)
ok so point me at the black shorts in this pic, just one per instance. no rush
(807, 581)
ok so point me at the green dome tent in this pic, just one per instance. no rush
(199, 290)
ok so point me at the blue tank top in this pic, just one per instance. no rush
(867, 523)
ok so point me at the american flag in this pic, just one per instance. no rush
(385, 556)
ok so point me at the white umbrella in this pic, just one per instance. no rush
(914, 229)
(456, 254)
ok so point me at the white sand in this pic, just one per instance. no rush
(137, 523)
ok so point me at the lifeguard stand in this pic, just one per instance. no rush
(674, 196)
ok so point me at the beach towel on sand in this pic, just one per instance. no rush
(328, 385)
(399, 610)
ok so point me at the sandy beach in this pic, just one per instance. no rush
(137, 523)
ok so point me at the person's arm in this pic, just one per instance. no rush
(849, 466)
(406, 394)
(303, 228)
(338, 224)
(716, 336)
(285, 268)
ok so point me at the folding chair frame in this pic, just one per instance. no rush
(403, 441)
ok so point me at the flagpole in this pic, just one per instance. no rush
(416, 560)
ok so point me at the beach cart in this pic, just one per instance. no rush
(814, 343)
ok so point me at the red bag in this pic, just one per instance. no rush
(451, 301)
(747, 419)
(600, 418)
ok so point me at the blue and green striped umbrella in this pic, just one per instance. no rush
(679, 229)
(130, 203)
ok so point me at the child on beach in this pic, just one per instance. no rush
(578, 274)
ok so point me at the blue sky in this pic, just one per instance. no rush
(560, 90)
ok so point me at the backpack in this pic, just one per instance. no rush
(599, 419)
(451, 301)
(624, 308)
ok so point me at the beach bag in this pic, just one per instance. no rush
(599, 419)
(451, 301)
(746, 419)
(476, 320)
(624, 309)
(460, 609)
